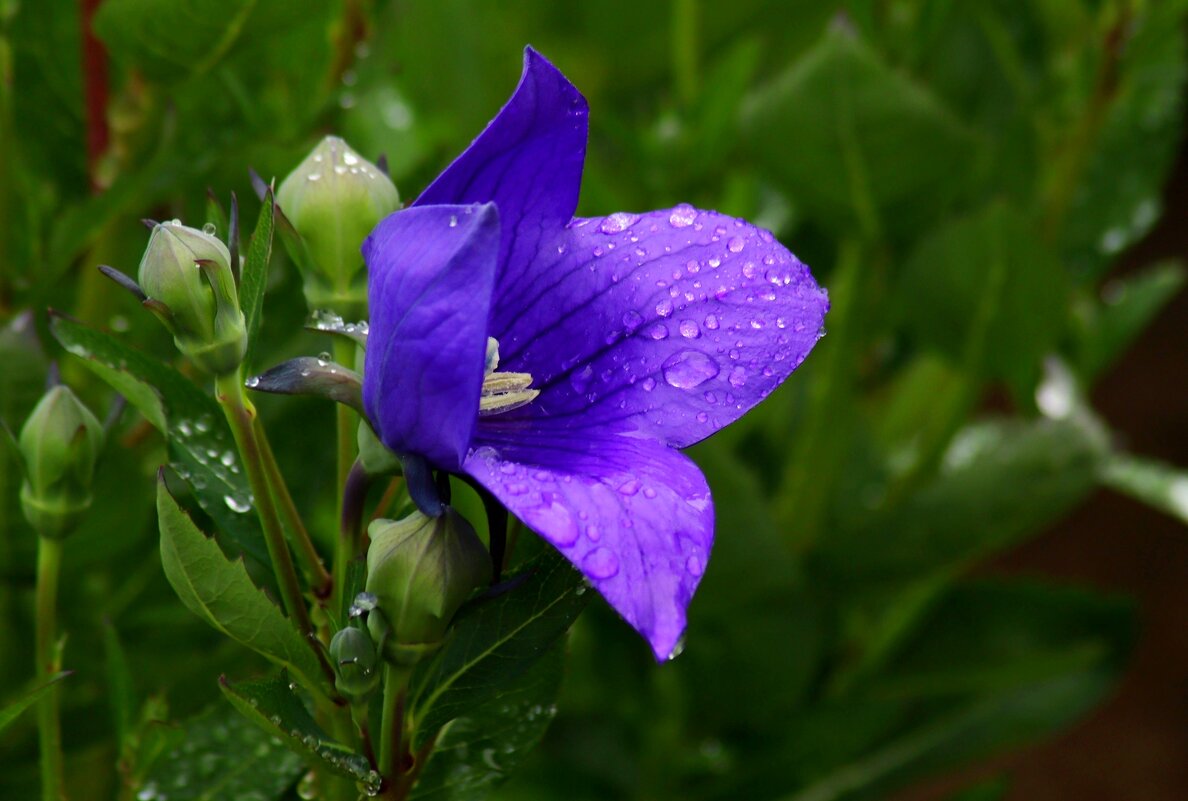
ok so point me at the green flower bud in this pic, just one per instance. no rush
(59, 445)
(356, 664)
(187, 275)
(333, 199)
(421, 570)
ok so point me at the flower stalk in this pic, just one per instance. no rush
(346, 423)
(48, 656)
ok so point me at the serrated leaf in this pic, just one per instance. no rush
(220, 592)
(200, 444)
(494, 641)
(856, 144)
(273, 706)
(10, 712)
(255, 272)
(220, 756)
(480, 750)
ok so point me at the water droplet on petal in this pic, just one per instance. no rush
(600, 563)
(617, 222)
(632, 320)
(689, 329)
(682, 216)
(658, 331)
(694, 566)
(738, 377)
(649, 384)
(711, 322)
(736, 244)
(688, 369)
(664, 308)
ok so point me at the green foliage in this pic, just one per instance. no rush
(220, 592)
(13, 709)
(962, 176)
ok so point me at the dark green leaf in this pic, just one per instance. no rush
(495, 640)
(121, 693)
(200, 444)
(13, 709)
(273, 705)
(858, 145)
(220, 592)
(1128, 307)
(481, 749)
(985, 291)
(999, 481)
(220, 756)
(255, 273)
(1117, 197)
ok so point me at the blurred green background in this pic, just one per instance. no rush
(974, 180)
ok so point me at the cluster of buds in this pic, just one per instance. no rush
(58, 446)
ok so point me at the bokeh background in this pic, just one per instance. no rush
(951, 557)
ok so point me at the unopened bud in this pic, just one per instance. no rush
(187, 276)
(59, 444)
(421, 570)
(356, 664)
(333, 200)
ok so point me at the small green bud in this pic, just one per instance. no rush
(356, 664)
(187, 275)
(333, 199)
(421, 570)
(59, 444)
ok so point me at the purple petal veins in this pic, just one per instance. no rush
(643, 332)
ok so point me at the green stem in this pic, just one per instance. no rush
(49, 560)
(392, 740)
(345, 549)
(319, 579)
(240, 415)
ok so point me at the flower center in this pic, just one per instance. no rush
(503, 392)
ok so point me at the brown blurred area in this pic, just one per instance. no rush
(1134, 747)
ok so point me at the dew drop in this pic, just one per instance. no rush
(453, 221)
(617, 223)
(209, 229)
(694, 566)
(688, 369)
(632, 320)
(664, 308)
(682, 216)
(736, 244)
(649, 384)
(658, 331)
(649, 492)
(600, 563)
(689, 329)
(237, 505)
(629, 487)
(738, 377)
(252, 382)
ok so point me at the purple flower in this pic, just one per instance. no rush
(642, 333)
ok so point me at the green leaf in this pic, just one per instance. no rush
(13, 709)
(273, 706)
(1117, 196)
(1162, 486)
(999, 481)
(200, 444)
(220, 756)
(121, 693)
(986, 292)
(480, 750)
(855, 143)
(220, 592)
(495, 640)
(255, 272)
(1128, 306)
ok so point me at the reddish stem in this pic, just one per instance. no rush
(94, 69)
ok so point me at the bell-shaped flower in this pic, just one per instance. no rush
(561, 362)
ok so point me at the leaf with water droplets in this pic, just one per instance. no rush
(219, 756)
(255, 273)
(274, 706)
(495, 640)
(191, 421)
(220, 592)
(481, 749)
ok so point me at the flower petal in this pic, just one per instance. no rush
(528, 161)
(632, 515)
(671, 323)
(431, 274)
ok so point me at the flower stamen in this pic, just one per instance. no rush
(503, 392)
